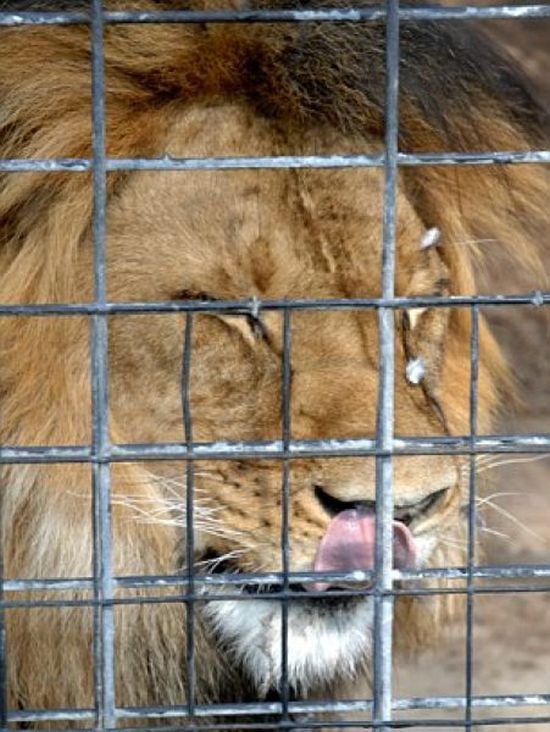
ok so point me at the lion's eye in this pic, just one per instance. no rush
(194, 295)
(254, 323)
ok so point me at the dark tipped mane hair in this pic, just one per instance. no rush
(457, 93)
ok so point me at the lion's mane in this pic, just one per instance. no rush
(456, 95)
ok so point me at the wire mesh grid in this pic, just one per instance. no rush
(283, 712)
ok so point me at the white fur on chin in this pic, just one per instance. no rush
(325, 644)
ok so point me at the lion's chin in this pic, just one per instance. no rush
(328, 641)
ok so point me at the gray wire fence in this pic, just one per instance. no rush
(106, 714)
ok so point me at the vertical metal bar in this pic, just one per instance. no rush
(472, 493)
(189, 513)
(101, 478)
(383, 602)
(3, 655)
(285, 543)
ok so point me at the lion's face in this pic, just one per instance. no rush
(275, 235)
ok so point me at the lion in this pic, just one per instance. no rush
(243, 236)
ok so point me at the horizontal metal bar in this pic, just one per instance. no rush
(274, 450)
(311, 724)
(270, 162)
(280, 596)
(295, 707)
(537, 298)
(324, 15)
(539, 571)
(341, 707)
(341, 724)
(50, 715)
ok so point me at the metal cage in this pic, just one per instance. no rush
(101, 453)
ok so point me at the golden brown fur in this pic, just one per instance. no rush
(235, 90)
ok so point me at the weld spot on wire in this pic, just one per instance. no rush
(255, 305)
(431, 238)
(415, 370)
(538, 298)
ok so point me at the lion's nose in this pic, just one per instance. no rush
(404, 512)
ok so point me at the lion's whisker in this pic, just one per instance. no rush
(481, 500)
(204, 521)
(512, 461)
(450, 541)
(494, 532)
(510, 516)
(212, 564)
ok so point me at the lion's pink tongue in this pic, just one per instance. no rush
(349, 544)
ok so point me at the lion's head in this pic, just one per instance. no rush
(256, 236)
(279, 235)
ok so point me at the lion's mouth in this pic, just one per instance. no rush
(272, 589)
(348, 545)
(278, 591)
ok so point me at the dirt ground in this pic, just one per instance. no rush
(511, 630)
